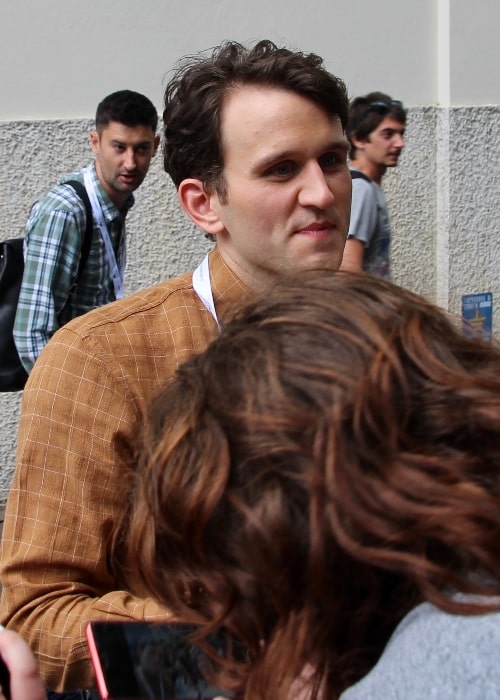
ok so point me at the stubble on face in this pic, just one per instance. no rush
(122, 158)
(385, 144)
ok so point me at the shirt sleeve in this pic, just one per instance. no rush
(363, 211)
(67, 494)
(52, 253)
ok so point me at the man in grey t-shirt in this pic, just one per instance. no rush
(376, 134)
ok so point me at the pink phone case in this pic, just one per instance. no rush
(119, 674)
(96, 662)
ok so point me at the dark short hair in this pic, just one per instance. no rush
(126, 107)
(368, 111)
(195, 95)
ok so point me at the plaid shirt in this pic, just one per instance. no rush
(53, 244)
(91, 383)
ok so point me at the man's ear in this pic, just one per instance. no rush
(198, 203)
(94, 141)
(358, 143)
(156, 144)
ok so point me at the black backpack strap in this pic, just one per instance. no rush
(80, 190)
(358, 175)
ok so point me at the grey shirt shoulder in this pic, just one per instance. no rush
(436, 656)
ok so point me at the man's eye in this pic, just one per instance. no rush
(330, 160)
(282, 169)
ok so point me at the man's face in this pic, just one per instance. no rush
(122, 157)
(385, 143)
(287, 182)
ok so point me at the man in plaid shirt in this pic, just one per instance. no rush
(124, 141)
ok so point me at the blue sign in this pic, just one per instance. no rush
(477, 315)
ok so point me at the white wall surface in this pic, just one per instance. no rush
(474, 52)
(58, 58)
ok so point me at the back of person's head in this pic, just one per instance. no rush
(126, 107)
(368, 111)
(194, 99)
(330, 461)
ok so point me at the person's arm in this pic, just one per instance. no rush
(25, 680)
(362, 225)
(352, 260)
(52, 253)
(67, 494)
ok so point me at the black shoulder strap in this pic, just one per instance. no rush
(358, 175)
(80, 190)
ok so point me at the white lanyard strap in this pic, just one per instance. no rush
(203, 288)
(116, 270)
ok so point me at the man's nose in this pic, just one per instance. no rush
(315, 190)
(399, 140)
(129, 160)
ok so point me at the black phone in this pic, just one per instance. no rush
(4, 679)
(152, 661)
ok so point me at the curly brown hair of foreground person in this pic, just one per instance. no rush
(328, 463)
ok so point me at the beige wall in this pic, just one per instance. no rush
(438, 56)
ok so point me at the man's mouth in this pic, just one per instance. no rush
(128, 177)
(317, 228)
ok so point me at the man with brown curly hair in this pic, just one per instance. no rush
(254, 142)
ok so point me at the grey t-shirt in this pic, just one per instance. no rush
(370, 225)
(436, 656)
